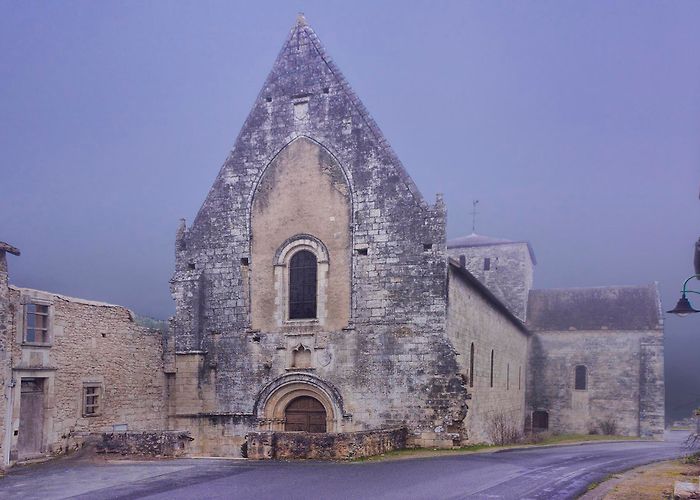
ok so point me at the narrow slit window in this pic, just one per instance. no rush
(303, 270)
(487, 264)
(491, 379)
(581, 376)
(471, 365)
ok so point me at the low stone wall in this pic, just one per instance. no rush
(151, 443)
(324, 446)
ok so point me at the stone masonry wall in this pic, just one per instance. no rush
(625, 369)
(340, 446)
(149, 443)
(510, 276)
(473, 319)
(90, 343)
(5, 368)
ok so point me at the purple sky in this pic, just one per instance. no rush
(576, 125)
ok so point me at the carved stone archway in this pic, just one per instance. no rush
(276, 396)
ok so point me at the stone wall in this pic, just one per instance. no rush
(615, 334)
(151, 443)
(5, 367)
(89, 343)
(624, 386)
(336, 446)
(474, 318)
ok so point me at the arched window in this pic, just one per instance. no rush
(581, 378)
(491, 368)
(302, 285)
(471, 365)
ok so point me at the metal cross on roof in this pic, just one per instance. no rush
(474, 212)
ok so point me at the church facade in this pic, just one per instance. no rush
(316, 293)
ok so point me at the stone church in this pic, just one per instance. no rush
(320, 307)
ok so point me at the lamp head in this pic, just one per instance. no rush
(683, 307)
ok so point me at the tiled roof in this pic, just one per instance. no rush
(600, 308)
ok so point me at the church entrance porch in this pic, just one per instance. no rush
(300, 402)
(305, 414)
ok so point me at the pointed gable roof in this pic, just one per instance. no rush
(304, 71)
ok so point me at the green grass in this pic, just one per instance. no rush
(576, 438)
(692, 459)
(432, 452)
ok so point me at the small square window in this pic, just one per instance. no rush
(92, 400)
(36, 323)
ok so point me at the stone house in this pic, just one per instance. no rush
(72, 367)
(316, 291)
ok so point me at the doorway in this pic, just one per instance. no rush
(540, 421)
(31, 418)
(305, 414)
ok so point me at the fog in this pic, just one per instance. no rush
(576, 125)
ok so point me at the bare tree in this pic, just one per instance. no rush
(502, 429)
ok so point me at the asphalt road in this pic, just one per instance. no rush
(554, 472)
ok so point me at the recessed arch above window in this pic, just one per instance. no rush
(301, 277)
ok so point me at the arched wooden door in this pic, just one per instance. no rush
(305, 414)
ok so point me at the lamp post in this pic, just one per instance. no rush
(684, 307)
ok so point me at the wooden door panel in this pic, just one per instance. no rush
(31, 418)
(305, 414)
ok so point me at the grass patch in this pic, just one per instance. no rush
(651, 482)
(548, 439)
(693, 459)
(424, 452)
(577, 438)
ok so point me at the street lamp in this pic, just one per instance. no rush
(683, 307)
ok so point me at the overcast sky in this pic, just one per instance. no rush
(576, 125)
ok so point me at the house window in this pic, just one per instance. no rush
(491, 383)
(36, 323)
(581, 376)
(487, 264)
(302, 285)
(471, 366)
(92, 395)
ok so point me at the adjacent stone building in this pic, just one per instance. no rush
(73, 367)
(319, 307)
(597, 360)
